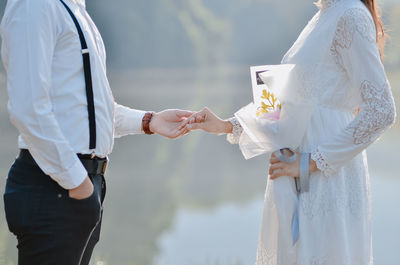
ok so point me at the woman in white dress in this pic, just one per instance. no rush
(339, 70)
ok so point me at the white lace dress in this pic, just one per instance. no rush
(342, 71)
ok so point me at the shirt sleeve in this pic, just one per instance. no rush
(356, 52)
(29, 38)
(127, 121)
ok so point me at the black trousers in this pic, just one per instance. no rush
(51, 228)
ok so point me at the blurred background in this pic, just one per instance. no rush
(196, 201)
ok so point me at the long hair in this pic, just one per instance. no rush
(376, 15)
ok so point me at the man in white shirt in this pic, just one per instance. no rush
(62, 105)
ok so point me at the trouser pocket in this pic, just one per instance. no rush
(86, 211)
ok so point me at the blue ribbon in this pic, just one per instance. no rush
(304, 172)
(295, 224)
(304, 179)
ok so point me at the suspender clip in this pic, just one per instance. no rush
(84, 51)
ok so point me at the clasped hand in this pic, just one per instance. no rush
(175, 123)
(207, 121)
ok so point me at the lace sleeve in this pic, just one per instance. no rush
(355, 51)
(237, 131)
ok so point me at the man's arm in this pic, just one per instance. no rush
(165, 123)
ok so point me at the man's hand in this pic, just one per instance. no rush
(168, 123)
(83, 191)
(207, 121)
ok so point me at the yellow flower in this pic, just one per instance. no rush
(272, 103)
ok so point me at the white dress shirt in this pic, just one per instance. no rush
(42, 55)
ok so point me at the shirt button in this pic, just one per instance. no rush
(59, 195)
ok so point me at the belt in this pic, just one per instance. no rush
(94, 165)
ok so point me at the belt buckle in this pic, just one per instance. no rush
(103, 170)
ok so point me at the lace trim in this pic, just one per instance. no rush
(237, 131)
(377, 113)
(355, 20)
(322, 164)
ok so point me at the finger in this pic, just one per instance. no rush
(200, 118)
(192, 119)
(277, 165)
(205, 110)
(274, 160)
(184, 113)
(277, 173)
(197, 118)
(178, 133)
(194, 126)
(183, 124)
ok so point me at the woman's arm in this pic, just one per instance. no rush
(356, 52)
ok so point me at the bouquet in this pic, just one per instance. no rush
(275, 113)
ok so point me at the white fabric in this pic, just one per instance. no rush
(339, 68)
(41, 53)
(268, 135)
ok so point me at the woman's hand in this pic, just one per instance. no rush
(278, 169)
(207, 121)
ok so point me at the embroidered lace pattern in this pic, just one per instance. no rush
(237, 130)
(322, 163)
(353, 21)
(377, 115)
(319, 203)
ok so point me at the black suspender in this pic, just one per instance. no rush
(88, 80)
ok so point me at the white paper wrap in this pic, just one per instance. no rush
(266, 135)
